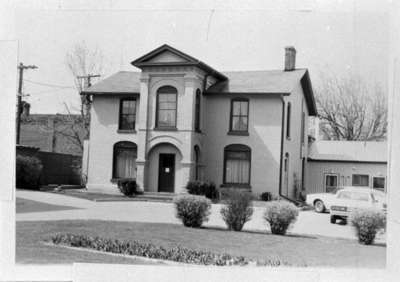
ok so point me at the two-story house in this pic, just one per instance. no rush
(179, 119)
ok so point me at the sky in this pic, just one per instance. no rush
(331, 37)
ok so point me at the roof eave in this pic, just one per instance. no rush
(108, 93)
(246, 93)
(305, 82)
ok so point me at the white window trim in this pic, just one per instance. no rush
(377, 176)
(369, 179)
(332, 174)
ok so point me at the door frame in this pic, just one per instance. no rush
(159, 172)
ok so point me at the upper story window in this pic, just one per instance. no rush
(166, 107)
(288, 117)
(197, 111)
(239, 121)
(237, 160)
(127, 114)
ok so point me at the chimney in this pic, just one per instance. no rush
(290, 58)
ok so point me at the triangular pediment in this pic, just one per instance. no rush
(165, 55)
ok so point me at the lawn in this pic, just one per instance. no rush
(25, 206)
(295, 250)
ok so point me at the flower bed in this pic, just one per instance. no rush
(148, 250)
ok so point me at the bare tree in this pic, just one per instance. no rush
(82, 61)
(351, 110)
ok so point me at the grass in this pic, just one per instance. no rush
(296, 250)
(25, 206)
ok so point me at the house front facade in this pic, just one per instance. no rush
(178, 119)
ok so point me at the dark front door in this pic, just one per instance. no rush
(166, 173)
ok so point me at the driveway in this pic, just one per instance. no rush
(308, 222)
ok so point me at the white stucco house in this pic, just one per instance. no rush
(177, 119)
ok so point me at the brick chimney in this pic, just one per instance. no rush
(290, 58)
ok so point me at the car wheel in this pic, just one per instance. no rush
(319, 206)
(333, 219)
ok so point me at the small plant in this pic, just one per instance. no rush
(238, 209)
(280, 215)
(192, 210)
(128, 187)
(28, 171)
(367, 223)
(203, 188)
(266, 196)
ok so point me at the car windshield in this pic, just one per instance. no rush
(380, 197)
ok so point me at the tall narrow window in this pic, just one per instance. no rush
(331, 182)
(197, 162)
(289, 113)
(166, 107)
(237, 164)
(124, 164)
(239, 115)
(197, 111)
(127, 114)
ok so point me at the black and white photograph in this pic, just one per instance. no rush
(167, 136)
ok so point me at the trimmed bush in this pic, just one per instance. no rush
(177, 253)
(266, 196)
(128, 187)
(203, 188)
(280, 215)
(238, 209)
(367, 223)
(28, 170)
(192, 210)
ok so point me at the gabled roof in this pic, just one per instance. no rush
(123, 82)
(266, 82)
(178, 59)
(348, 151)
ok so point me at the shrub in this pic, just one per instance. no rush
(266, 196)
(279, 215)
(367, 223)
(128, 187)
(238, 209)
(192, 210)
(28, 170)
(203, 188)
(176, 253)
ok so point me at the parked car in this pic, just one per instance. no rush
(353, 198)
(322, 201)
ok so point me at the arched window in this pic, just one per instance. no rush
(124, 160)
(197, 162)
(197, 111)
(166, 107)
(288, 116)
(237, 162)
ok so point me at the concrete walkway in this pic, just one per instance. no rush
(308, 222)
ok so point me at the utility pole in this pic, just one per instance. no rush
(21, 68)
(85, 100)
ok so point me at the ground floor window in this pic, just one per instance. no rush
(331, 182)
(237, 164)
(378, 182)
(124, 164)
(360, 180)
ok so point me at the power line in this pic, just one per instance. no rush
(48, 84)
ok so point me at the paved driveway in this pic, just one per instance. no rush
(308, 222)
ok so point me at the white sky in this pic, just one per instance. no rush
(330, 36)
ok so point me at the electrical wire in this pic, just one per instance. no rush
(48, 84)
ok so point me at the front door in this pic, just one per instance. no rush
(166, 173)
